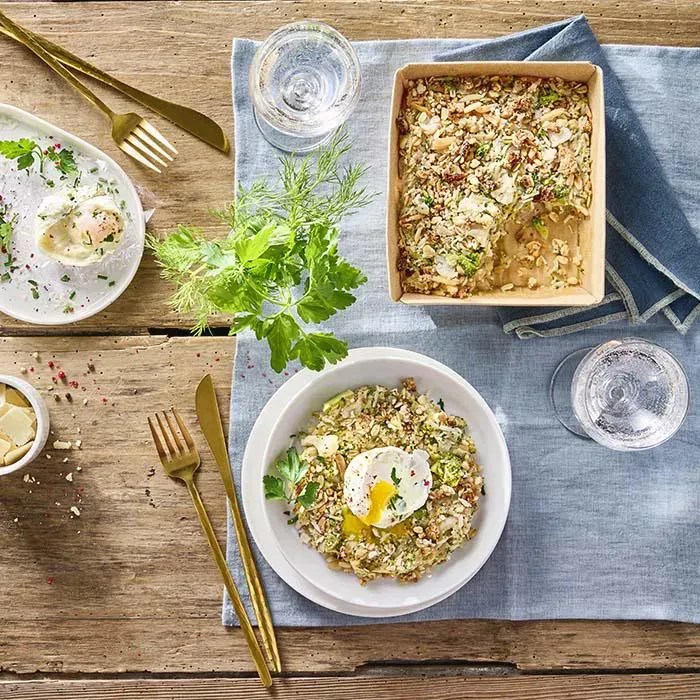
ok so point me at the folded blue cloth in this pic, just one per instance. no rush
(591, 533)
(652, 254)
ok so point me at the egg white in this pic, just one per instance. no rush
(407, 472)
(78, 227)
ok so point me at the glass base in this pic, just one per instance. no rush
(560, 392)
(288, 142)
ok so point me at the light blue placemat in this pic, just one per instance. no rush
(592, 533)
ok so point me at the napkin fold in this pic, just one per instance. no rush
(652, 254)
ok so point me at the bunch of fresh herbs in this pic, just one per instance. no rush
(279, 269)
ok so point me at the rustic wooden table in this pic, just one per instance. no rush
(124, 601)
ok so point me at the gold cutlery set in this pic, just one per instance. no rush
(178, 453)
(180, 459)
(132, 133)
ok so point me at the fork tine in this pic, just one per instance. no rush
(144, 149)
(143, 135)
(156, 439)
(130, 150)
(157, 135)
(174, 433)
(183, 429)
(166, 436)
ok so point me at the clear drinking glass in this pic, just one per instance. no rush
(627, 394)
(304, 83)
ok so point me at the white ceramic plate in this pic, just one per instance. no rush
(87, 290)
(303, 568)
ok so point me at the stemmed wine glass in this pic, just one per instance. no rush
(304, 82)
(628, 394)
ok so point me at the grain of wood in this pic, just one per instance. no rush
(609, 687)
(181, 51)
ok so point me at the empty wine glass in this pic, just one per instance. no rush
(627, 394)
(304, 82)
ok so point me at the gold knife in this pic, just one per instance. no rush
(192, 121)
(210, 423)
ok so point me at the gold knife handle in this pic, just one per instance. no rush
(23, 37)
(257, 593)
(253, 645)
(192, 121)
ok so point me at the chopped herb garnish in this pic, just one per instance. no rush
(469, 262)
(539, 226)
(441, 403)
(102, 277)
(34, 283)
(71, 296)
(548, 98)
(65, 278)
(35, 293)
(482, 150)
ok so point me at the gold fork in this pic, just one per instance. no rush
(180, 461)
(132, 134)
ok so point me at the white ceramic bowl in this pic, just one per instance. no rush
(42, 421)
(387, 366)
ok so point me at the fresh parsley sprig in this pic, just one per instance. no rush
(279, 270)
(27, 152)
(292, 470)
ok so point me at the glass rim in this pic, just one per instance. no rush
(599, 351)
(275, 117)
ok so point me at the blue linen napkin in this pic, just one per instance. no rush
(652, 254)
(591, 533)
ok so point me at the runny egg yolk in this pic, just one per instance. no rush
(352, 525)
(379, 496)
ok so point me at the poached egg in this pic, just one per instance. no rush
(384, 486)
(78, 227)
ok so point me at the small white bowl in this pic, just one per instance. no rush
(388, 366)
(42, 422)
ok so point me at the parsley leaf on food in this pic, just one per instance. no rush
(274, 488)
(308, 495)
(292, 470)
(26, 152)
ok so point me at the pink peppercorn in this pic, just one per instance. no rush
(62, 375)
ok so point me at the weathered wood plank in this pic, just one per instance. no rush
(609, 687)
(181, 51)
(164, 630)
(129, 585)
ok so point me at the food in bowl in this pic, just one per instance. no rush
(384, 483)
(17, 425)
(487, 165)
